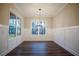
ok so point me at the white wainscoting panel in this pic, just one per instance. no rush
(58, 35)
(6, 44)
(68, 38)
(27, 36)
(3, 39)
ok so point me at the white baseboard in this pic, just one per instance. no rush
(68, 49)
(5, 26)
(4, 53)
(71, 51)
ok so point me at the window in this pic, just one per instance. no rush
(38, 27)
(14, 25)
(18, 26)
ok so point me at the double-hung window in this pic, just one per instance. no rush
(38, 28)
(14, 25)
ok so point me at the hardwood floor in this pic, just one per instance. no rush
(40, 48)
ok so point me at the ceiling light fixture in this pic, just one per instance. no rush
(39, 13)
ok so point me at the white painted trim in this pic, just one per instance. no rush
(6, 26)
(72, 27)
(64, 28)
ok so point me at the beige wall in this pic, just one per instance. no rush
(69, 16)
(28, 21)
(28, 29)
(5, 12)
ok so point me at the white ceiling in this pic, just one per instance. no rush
(48, 9)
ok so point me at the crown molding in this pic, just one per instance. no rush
(59, 11)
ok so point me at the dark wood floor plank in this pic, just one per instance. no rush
(39, 48)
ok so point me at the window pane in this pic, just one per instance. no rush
(34, 28)
(12, 25)
(42, 28)
(38, 28)
(18, 26)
